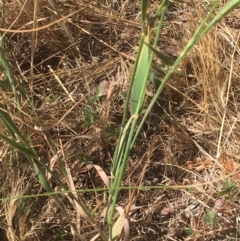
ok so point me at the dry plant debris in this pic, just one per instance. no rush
(229, 166)
(76, 72)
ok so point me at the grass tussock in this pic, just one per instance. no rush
(71, 77)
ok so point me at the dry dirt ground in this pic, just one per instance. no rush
(188, 152)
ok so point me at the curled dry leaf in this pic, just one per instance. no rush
(52, 163)
(167, 210)
(121, 223)
(228, 164)
(198, 164)
(100, 172)
(79, 209)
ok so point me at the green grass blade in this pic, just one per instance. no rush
(139, 86)
(120, 171)
(163, 4)
(121, 155)
(144, 10)
(222, 13)
(6, 69)
(161, 56)
(122, 133)
(144, 65)
(10, 125)
(195, 38)
(28, 152)
(119, 151)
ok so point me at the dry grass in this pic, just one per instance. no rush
(61, 66)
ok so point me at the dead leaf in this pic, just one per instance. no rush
(100, 172)
(167, 210)
(121, 223)
(198, 164)
(229, 164)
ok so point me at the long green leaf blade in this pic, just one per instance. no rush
(222, 13)
(19, 147)
(161, 56)
(144, 10)
(10, 125)
(139, 86)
